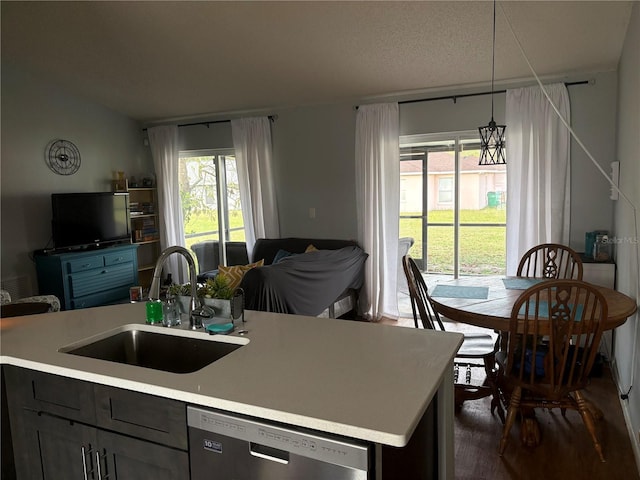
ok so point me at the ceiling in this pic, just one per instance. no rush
(155, 61)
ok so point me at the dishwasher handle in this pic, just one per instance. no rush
(269, 453)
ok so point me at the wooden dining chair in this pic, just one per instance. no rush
(553, 337)
(476, 346)
(551, 260)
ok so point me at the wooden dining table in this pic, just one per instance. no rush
(487, 302)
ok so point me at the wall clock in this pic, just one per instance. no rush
(63, 157)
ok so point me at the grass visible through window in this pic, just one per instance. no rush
(207, 221)
(482, 249)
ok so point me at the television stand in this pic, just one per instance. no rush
(88, 278)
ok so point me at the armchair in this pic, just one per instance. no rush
(27, 305)
(208, 255)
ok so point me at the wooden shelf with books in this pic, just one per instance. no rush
(145, 231)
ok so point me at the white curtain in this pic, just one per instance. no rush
(252, 144)
(538, 170)
(164, 149)
(378, 203)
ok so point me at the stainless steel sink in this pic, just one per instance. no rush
(170, 352)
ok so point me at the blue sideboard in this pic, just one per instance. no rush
(88, 278)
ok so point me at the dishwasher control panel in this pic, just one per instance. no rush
(318, 447)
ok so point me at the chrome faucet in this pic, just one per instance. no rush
(197, 311)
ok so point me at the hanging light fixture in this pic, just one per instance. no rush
(492, 135)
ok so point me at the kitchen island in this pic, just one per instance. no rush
(367, 382)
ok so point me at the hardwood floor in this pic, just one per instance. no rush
(565, 451)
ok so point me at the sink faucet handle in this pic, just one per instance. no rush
(198, 314)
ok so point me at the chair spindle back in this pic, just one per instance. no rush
(551, 260)
(420, 300)
(554, 334)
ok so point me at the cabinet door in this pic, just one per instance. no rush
(55, 449)
(52, 448)
(160, 420)
(46, 393)
(129, 458)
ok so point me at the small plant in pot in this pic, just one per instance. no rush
(183, 294)
(217, 293)
(177, 290)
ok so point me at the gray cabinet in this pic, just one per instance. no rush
(55, 448)
(88, 279)
(67, 428)
(124, 457)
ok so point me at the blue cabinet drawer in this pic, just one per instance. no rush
(118, 257)
(115, 295)
(87, 283)
(85, 263)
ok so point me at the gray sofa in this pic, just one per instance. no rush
(323, 282)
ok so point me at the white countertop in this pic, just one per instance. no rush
(362, 380)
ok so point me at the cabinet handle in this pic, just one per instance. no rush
(84, 462)
(98, 464)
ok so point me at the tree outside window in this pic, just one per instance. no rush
(210, 196)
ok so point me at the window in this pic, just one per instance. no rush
(453, 208)
(445, 190)
(210, 196)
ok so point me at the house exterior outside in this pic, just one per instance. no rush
(480, 186)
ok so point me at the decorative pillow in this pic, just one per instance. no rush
(235, 273)
(281, 255)
(310, 248)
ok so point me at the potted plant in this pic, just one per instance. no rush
(217, 293)
(183, 294)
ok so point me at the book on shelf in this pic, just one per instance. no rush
(145, 235)
(148, 207)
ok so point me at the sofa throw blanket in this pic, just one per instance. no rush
(304, 284)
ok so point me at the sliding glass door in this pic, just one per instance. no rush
(454, 209)
(210, 197)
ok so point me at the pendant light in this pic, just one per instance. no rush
(492, 135)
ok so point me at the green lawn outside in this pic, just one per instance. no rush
(208, 222)
(482, 249)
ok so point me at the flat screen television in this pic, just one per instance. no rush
(90, 220)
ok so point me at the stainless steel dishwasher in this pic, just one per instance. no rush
(229, 447)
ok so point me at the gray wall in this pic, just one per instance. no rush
(627, 337)
(593, 118)
(314, 151)
(33, 114)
